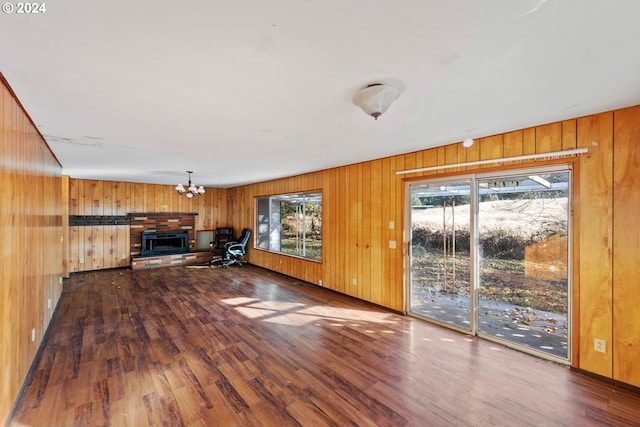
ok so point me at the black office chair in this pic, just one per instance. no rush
(234, 250)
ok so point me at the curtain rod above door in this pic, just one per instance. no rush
(551, 155)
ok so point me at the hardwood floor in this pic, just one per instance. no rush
(243, 346)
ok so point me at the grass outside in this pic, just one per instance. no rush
(502, 280)
(293, 246)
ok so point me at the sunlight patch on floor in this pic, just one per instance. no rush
(296, 314)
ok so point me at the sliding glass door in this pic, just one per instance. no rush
(523, 224)
(489, 255)
(440, 252)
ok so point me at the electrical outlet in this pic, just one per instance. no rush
(33, 334)
(392, 244)
(600, 345)
(354, 281)
(81, 260)
(320, 282)
(392, 225)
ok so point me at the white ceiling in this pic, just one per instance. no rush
(246, 90)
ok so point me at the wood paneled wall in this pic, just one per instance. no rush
(107, 246)
(360, 201)
(595, 211)
(626, 246)
(31, 248)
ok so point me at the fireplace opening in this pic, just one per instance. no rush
(163, 243)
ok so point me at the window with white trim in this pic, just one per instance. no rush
(290, 224)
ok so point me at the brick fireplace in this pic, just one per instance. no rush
(163, 222)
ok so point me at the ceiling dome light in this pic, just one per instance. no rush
(467, 143)
(376, 98)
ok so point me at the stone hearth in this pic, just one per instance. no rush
(190, 258)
